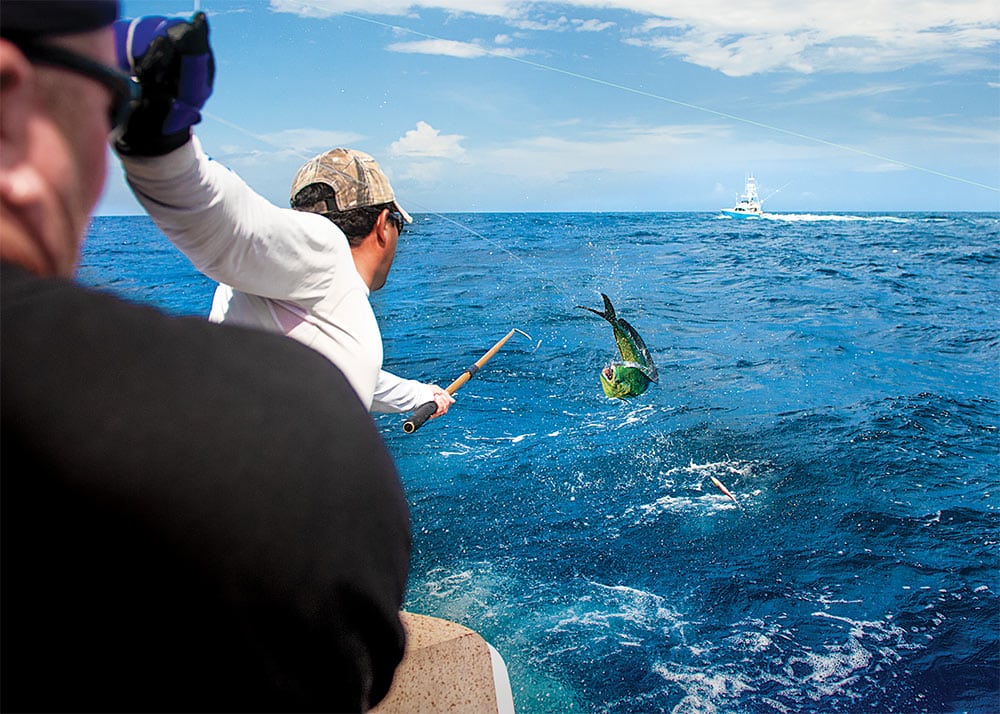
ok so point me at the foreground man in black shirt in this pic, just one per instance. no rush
(194, 517)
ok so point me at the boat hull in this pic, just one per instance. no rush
(739, 214)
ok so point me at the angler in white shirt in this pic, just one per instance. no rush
(306, 273)
(291, 271)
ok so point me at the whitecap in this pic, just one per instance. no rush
(704, 690)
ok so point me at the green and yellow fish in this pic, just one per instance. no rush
(630, 376)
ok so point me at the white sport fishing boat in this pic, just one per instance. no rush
(748, 205)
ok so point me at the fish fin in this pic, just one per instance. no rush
(649, 369)
(590, 309)
(608, 314)
(609, 309)
(650, 374)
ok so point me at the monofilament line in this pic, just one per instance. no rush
(468, 229)
(680, 103)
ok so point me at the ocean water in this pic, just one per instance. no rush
(840, 374)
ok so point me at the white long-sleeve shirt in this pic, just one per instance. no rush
(280, 270)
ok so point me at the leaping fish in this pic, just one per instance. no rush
(630, 376)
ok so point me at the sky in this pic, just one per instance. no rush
(610, 105)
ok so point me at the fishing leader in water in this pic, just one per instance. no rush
(630, 376)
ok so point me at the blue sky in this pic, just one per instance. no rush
(611, 105)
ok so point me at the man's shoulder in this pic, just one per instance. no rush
(101, 333)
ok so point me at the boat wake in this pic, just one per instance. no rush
(835, 218)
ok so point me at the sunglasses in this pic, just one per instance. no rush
(124, 89)
(397, 218)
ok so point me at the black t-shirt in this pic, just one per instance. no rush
(194, 516)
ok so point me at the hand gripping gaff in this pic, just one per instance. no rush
(424, 411)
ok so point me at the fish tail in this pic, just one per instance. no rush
(590, 309)
(609, 310)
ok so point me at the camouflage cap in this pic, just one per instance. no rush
(355, 177)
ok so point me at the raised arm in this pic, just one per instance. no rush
(232, 234)
(226, 229)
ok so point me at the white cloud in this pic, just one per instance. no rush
(426, 142)
(626, 152)
(290, 145)
(872, 90)
(592, 25)
(559, 24)
(452, 48)
(743, 38)
(448, 48)
(327, 8)
(608, 167)
(825, 35)
(627, 149)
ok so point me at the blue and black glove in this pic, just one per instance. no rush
(172, 60)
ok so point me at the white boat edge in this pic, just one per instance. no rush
(501, 682)
(447, 667)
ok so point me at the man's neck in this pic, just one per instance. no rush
(364, 262)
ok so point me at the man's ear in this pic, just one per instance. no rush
(381, 226)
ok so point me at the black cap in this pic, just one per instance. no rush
(25, 19)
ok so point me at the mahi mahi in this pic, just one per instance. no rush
(630, 376)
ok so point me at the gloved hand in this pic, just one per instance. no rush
(172, 60)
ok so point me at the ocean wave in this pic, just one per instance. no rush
(779, 669)
(837, 373)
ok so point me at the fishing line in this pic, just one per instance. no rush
(678, 102)
(773, 193)
(423, 209)
(594, 80)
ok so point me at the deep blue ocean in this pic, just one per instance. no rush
(840, 374)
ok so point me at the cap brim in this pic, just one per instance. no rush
(404, 214)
